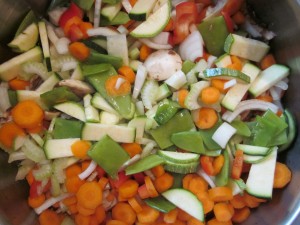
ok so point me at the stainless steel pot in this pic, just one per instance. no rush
(282, 17)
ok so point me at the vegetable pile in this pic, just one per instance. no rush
(143, 112)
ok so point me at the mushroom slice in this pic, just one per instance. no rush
(80, 88)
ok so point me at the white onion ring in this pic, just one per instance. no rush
(51, 201)
(88, 170)
(153, 45)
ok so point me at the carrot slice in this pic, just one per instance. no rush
(30, 177)
(8, 132)
(79, 50)
(128, 73)
(116, 222)
(198, 184)
(237, 165)
(169, 26)
(35, 202)
(128, 189)
(124, 212)
(27, 114)
(266, 98)
(193, 221)
(136, 206)
(84, 211)
(222, 212)
(183, 216)
(240, 215)
(214, 221)
(210, 95)
(150, 187)
(132, 148)
(103, 181)
(18, 84)
(49, 217)
(218, 163)
(207, 203)
(100, 214)
(84, 26)
(267, 61)
(207, 118)
(251, 201)
(72, 209)
(132, 2)
(80, 148)
(89, 195)
(145, 51)
(237, 202)
(73, 170)
(73, 184)
(158, 171)
(171, 216)
(239, 18)
(164, 182)
(182, 94)
(82, 220)
(283, 175)
(70, 200)
(112, 90)
(85, 164)
(187, 179)
(220, 194)
(219, 84)
(148, 214)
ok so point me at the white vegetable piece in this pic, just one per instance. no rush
(192, 47)
(177, 80)
(117, 46)
(141, 75)
(162, 64)
(223, 134)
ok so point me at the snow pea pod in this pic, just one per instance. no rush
(160, 203)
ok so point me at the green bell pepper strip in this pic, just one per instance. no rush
(160, 203)
(109, 155)
(64, 128)
(182, 121)
(143, 164)
(165, 111)
(189, 140)
(223, 177)
(241, 128)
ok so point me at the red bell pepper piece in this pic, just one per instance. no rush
(75, 33)
(122, 177)
(237, 165)
(36, 188)
(228, 21)
(139, 177)
(71, 12)
(233, 6)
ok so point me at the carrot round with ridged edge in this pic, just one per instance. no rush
(187, 178)
(132, 148)
(128, 73)
(267, 61)
(110, 86)
(207, 203)
(240, 215)
(70, 200)
(128, 189)
(79, 50)
(164, 182)
(197, 184)
(124, 212)
(148, 215)
(8, 132)
(220, 194)
(222, 212)
(73, 170)
(237, 201)
(89, 195)
(136, 206)
(219, 84)
(49, 217)
(210, 95)
(27, 114)
(82, 220)
(35, 202)
(72, 209)
(80, 148)
(183, 216)
(237, 165)
(73, 184)
(18, 84)
(207, 118)
(283, 175)
(84, 211)
(116, 222)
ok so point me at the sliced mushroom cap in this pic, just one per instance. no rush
(80, 88)
(162, 64)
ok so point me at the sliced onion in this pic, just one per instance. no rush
(162, 38)
(216, 10)
(14, 156)
(88, 170)
(119, 82)
(129, 162)
(59, 32)
(26, 166)
(207, 178)
(153, 45)
(67, 66)
(282, 85)
(93, 176)
(223, 134)
(101, 31)
(145, 141)
(275, 93)
(122, 29)
(230, 83)
(4, 103)
(54, 15)
(51, 201)
(126, 5)
(51, 34)
(141, 75)
(62, 45)
(278, 104)
(140, 108)
(253, 29)
(193, 28)
(97, 13)
(211, 60)
(253, 104)
(148, 149)
(193, 43)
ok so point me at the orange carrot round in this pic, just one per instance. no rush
(164, 182)
(240, 215)
(30, 177)
(171, 216)
(145, 51)
(219, 84)
(39, 128)
(222, 212)
(182, 94)
(82, 220)
(110, 86)
(84, 26)
(148, 215)
(73, 170)
(132, 148)
(103, 181)
(283, 175)
(72, 209)
(18, 84)
(79, 50)
(124, 212)
(84, 211)
(89, 195)
(183, 216)
(49, 217)
(100, 214)
(207, 203)
(8, 132)
(207, 118)
(116, 222)
(251, 201)
(158, 171)
(132, 2)
(27, 114)
(73, 184)
(267, 61)
(197, 184)
(128, 189)
(193, 221)
(210, 95)
(220, 194)
(80, 148)
(218, 164)
(70, 200)
(214, 221)
(136, 206)
(266, 98)
(237, 165)
(187, 179)
(128, 73)
(72, 21)
(150, 187)
(237, 202)
(35, 202)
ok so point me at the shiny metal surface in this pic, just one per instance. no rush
(282, 16)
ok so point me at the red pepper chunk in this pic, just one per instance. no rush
(228, 21)
(233, 6)
(237, 166)
(71, 12)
